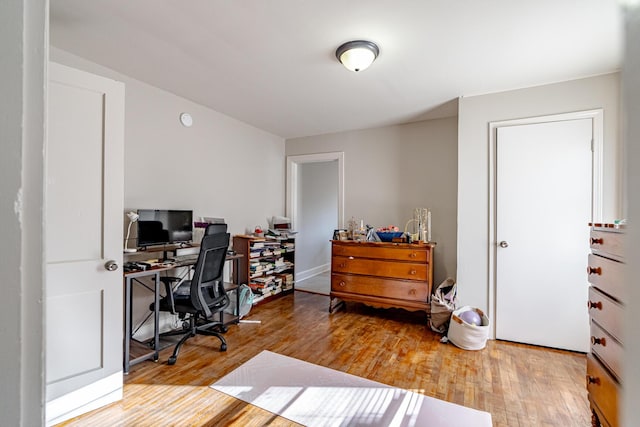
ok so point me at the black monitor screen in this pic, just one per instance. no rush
(156, 227)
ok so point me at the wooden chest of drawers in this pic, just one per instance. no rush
(382, 274)
(606, 309)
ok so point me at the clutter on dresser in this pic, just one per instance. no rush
(421, 225)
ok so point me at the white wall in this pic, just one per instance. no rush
(318, 216)
(219, 167)
(475, 113)
(23, 43)
(391, 170)
(631, 91)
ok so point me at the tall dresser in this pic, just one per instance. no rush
(606, 309)
(382, 274)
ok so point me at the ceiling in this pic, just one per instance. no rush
(271, 63)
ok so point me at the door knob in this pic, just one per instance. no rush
(111, 265)
(504, 244)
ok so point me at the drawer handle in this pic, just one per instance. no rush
(413, 255)
(597, 241)
(602, 341)
(596, 305)
(413, 292)
(412, 272)
(593, 380)
(343, 265)
(342, 284)
(594, 270)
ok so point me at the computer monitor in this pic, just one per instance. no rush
(158, 227)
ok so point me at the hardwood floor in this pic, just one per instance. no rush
(519, 385)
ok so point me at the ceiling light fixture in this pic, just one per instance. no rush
(357, 55)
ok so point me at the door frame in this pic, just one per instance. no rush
(597, 147)
(293, 182)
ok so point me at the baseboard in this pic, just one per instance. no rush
(307, 274)
(85, 399)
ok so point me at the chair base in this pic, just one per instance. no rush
(197, 327)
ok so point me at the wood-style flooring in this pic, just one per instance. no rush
(519, 385)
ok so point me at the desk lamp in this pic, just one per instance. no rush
(133, 217)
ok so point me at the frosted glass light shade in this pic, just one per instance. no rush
(357, 55)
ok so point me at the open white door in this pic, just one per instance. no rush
(543, 207)
(84, 205)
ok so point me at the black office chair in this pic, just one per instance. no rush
(215, 229)
(199, 299)
(169, 281)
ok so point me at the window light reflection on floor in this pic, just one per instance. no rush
(339, 406)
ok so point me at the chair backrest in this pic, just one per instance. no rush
(215, 229)
(207, 288)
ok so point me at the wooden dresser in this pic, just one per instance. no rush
(382, 274)
(606, 308)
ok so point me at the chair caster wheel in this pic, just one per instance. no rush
(223, 329)
(223, 347)
(172, 360)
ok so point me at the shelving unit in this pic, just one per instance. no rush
(267, 265)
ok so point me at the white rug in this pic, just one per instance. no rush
(313, 395)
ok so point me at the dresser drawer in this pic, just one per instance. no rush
(607, 275)
(606, 312)
(389, 288)
(608, 242)
(417, 254)
(603, 390)
(606, 348)
(397, 270)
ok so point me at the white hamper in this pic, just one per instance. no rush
(465, 335)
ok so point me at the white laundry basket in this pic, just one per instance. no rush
(466, 335)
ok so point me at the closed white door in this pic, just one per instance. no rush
(84, 205)
(543, 207)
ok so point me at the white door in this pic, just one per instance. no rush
(84, 205)
(543, 207)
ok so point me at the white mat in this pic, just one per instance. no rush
(313, 395)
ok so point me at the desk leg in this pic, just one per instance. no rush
(235, 280)
(127, 324)
(156, 318)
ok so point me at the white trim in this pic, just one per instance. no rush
(85, 399)
(597, 118)
(292, 182)
(312, 272)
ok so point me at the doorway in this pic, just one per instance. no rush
(546, 175)
(315, 198)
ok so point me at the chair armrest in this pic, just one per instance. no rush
(203, 303)
(169, 291)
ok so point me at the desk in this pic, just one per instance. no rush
(154, 273)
